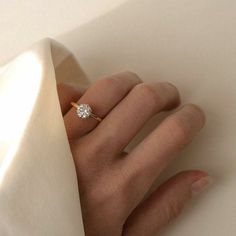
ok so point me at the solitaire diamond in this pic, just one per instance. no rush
(84, 111)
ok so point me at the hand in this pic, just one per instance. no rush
(112, 183)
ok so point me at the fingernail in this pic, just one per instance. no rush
(201, 184)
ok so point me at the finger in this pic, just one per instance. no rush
(126, 119)
(154, 153)
(66, 93)
(165, 203)
(102, 97)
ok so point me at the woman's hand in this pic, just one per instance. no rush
(112, 183)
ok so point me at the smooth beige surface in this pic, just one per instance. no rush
(190, 43)
(22, 22)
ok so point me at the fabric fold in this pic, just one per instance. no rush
(38, 184)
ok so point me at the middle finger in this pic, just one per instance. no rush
(126, 119)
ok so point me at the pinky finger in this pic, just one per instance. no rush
(165, 203)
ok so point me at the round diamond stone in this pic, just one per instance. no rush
(84, 111)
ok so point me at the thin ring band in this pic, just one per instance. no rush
(85, 111)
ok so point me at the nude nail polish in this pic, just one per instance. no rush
(201, 184)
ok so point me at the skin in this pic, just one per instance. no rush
(112, 183)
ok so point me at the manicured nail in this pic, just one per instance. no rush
(201, 184)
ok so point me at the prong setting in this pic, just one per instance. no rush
(84, 111)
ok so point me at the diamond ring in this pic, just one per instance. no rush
(85, 111)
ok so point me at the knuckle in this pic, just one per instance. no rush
(108, 81)
(150, 95)
(132, 74)
(112, 83)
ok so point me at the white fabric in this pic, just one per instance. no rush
(38, 185)
(189, 43)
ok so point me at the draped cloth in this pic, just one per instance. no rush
(38, 185)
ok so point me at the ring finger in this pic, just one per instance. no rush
(103, 95)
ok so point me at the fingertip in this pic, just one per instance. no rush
(197, 180)
(201, 184)
(198, 111)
